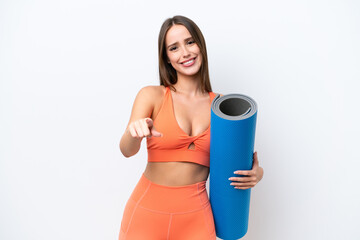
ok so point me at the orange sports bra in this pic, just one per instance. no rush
(173, 146)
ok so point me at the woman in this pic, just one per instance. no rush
(170, 200)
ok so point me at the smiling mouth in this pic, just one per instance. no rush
(189, 62)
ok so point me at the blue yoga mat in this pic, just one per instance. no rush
(232, 136)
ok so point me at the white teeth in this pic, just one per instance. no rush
(188, 62)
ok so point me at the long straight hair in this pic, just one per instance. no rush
(168, 76)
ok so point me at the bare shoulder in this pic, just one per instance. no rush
(145, 101)
(218, 94)
(152, 92)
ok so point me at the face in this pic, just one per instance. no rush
(183, 53)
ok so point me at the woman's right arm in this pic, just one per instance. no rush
(140, 124)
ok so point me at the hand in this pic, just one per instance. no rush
(143, 128)
(251, 177)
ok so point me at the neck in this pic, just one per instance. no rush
(188, 85)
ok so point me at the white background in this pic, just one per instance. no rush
(71, 69)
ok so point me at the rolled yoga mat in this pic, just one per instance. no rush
(232, 136)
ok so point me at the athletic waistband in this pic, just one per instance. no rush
(170, 199)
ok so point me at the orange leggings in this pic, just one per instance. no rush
(158, 212)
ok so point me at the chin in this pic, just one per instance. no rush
(191, 73)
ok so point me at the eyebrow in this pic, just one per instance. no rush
(186, 39)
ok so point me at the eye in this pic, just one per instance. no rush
(191, 42)
(172, 48)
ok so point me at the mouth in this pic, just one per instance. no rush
(189, 62)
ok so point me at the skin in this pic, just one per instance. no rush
(180, 48)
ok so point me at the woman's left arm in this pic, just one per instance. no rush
(250, 178)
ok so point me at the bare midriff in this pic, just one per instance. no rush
(176, 173)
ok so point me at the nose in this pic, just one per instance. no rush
(185, 52)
